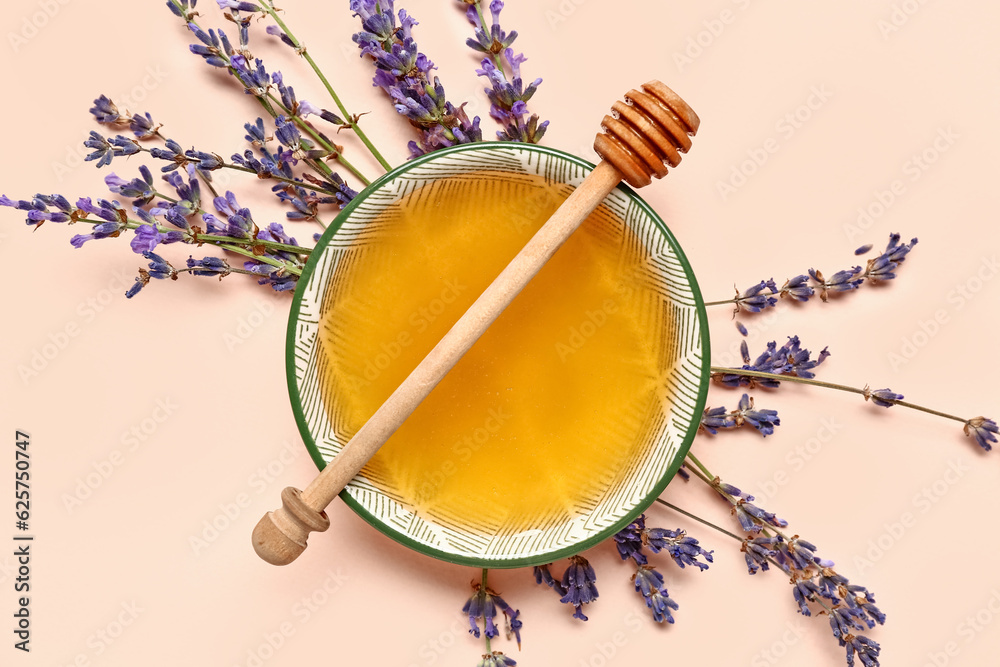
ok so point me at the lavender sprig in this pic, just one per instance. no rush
(766, 293)
(814, 580)
(715, 419)
(404, 73)
(982, 429)
(507, 94)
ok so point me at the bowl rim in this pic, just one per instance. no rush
(405, 539)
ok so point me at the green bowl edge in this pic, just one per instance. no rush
(402, 538)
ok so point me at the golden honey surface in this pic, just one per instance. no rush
(541, 416)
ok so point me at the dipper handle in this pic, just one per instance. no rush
(639, 138)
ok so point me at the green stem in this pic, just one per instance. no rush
(348, 118)
(699, 519)
(719, 303)
(701, 466)
(485, 573)
(830, 385)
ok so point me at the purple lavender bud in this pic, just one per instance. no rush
(628, 541)
(143, 127)
(579, 582)
(717, 418)
(146, 239)
(105, 111)
(158, 267)
(683, 550)
(101, 231)
(797, 288)
(866, 649)
(182, 8)
(238, 5)
(983, 430)
(762, 420)
(882, 397)
(897, 252)
(209, 266)
(842, 281)
(742, 329)
(754, 299)
(280, 34)
(757, 551)
(287, 133)
(649, 583)
(863, 249)
(496, 659)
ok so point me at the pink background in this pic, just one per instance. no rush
(197, 368)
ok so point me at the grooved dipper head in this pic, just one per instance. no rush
(646, 133)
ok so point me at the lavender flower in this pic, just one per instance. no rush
(754, 299)
(404, 73)
(496, 659)
(790, 359)
(159, 268)
(715, 419)
(183, 8)
(983, 430)
(762, 420)
(483, 606)
(209, 266)
(863, 249)
(866, 649)
(842, 281)
(238, 5)
(106, 112)
(102, 231)
(629, 540)
(579, 582)
(752, 518)
(107, 149)
(882, 397)
(139, 189)
(684, 550)
(147, 237)
(884, 266)
(896, 251)
(742, 329)
(279, 33)
(508, 97)
(214, 48)
(39, 208)
(797, 288)
(757, 551)
(649, 583)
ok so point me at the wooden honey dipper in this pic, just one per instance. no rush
(644, 135)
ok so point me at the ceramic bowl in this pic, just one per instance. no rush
(683, 387)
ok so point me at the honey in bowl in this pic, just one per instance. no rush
(539, 420)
